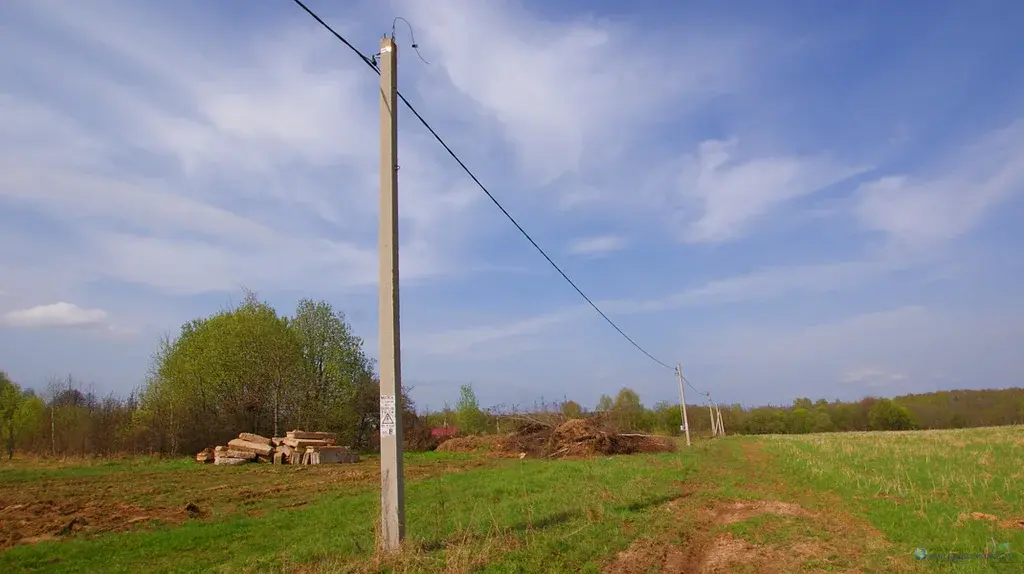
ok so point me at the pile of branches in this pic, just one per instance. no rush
(557, 437)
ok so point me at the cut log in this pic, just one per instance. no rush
(205, 456)
(228, 461)
(262, 449)
(302, 443)
(236, 453)
(263, 459)
(277, 441)
(312, 435)
(278, 458)
(219, 449)
(288, 453)
(254, 438)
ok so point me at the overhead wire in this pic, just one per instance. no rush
(370, 62)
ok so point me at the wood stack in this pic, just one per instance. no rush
(298, 447)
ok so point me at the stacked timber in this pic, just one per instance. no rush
(297, 447)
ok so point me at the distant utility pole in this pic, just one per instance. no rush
(711, 410)
(721, 429)
(392, 493)
(682, 403)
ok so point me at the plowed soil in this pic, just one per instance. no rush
(54, 508)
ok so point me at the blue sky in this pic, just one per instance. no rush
(790, 199)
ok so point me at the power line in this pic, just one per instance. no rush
(691, 386)
(490, 196)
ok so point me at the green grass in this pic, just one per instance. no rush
(920, 488)
(848, 501)
(27, 471)
(450, 518)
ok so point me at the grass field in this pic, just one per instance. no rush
(859, 502)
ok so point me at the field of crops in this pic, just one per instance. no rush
(858, 502)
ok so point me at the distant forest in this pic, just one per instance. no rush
(250, 368)
(937, 410)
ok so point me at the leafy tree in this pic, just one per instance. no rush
(339, 389)
(237, 370)
(822, 422)
(627, 409)
(10, 403)
(800, 420)
(888, 415)
(571, 410)
(471, 419)
(604, 404)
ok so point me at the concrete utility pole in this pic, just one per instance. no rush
(682, 403)
(721, 428)
(392, 479)
(711, 411)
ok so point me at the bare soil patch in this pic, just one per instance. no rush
(706, 541)
(707, 552)
(60, 508)
(742, 510)
(1013, 523)
(42, 520)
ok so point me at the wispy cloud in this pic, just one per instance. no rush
(599, 245)
(733, 192)
(218, 170)
(874, 378)
(762, 285)
(571, 93)
(58, 314)
(925, 211)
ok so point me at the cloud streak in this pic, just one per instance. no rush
(58, 314)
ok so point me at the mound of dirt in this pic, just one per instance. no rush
(579, 438)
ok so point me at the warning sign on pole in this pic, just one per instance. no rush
(387, 415)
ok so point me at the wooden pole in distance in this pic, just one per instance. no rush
(392, 493)
(682, 403)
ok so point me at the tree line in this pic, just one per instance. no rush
(937, 410)
(246, 368)
(250, 368)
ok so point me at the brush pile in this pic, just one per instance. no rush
(298, 447)
(572, 438)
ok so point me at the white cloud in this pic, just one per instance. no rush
(599, 245)
(927, 211)
(243, 162)
(570, 94)
(58, 314)
(733, 193)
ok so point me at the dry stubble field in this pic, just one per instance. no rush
(855, 502)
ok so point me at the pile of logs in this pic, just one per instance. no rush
(298, 447)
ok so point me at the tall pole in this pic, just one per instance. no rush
(721, 428)
(682, 403)
(711, 410)
(392, 492)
